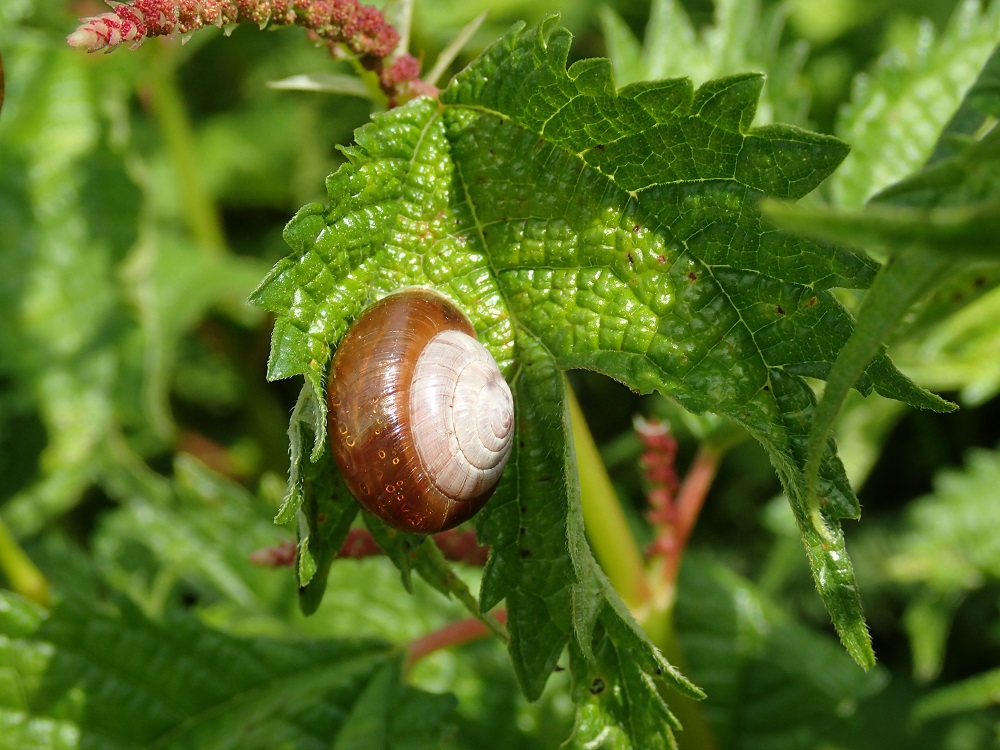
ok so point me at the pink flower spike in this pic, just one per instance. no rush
(86, 38)
(361, 29)
(123, 24)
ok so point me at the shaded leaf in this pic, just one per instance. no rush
(898, 110)
(977, 692)
(617, 703)
(179, 684)
(920, 260)
(773, 683)
(741, 37)
(192, 534)
(949, 548)
(950, 543)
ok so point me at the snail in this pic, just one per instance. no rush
(421, 420)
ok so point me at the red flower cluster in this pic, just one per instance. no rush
(659, 467)
(360, 28)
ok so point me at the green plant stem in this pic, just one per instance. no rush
(613, 542)
(175, 127)
(24, 576)
(616, 549)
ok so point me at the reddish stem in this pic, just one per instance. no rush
(453, 634)
(690, 500)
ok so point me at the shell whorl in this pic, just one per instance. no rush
(461, 415)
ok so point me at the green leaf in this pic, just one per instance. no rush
(97, 298)
(919, 259)
(329, 83)
(952, 343)
(687, 260)
(773, 682)
(55, 268)
(171, 284)
(970, 231)
(316, 496)
(583, 227)
(201, 532)
(617, 706)
(554, 597)
(928, 621)
(949, 544)
(430, 562)
(741, 37)
(374, 715)
(899, 109)
(178, 684)
(981, 691)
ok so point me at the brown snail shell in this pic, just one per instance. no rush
(421, 421)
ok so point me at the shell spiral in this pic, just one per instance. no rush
(421, 420)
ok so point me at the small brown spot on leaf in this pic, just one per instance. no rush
(597, 686)
(692, 276)
(779, 309)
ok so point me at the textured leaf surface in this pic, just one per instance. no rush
(187, 686)
(617, 706)
(581, 226)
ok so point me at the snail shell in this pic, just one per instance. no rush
(421, 421)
